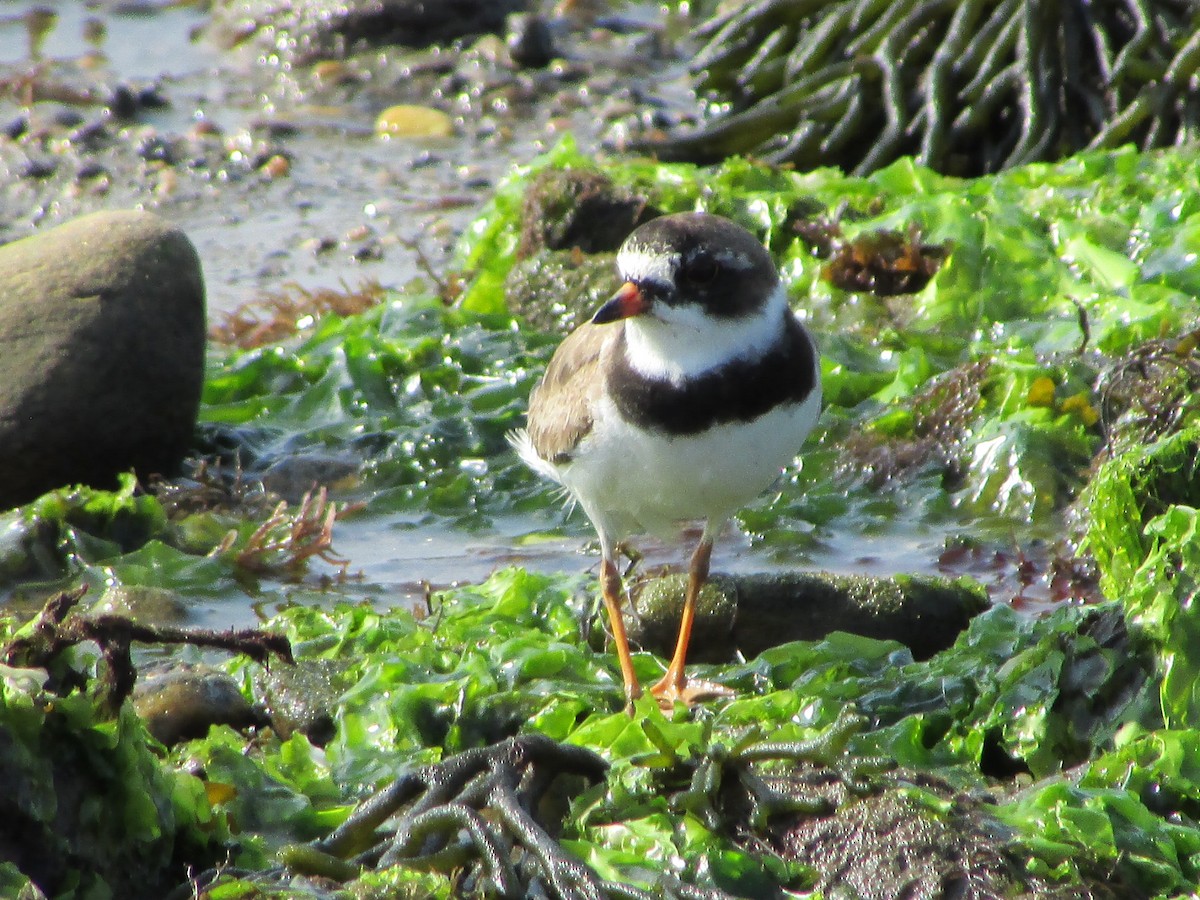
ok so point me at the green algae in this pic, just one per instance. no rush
(1048, 264)
(1145, 534)
(90, 809)
(977, 403)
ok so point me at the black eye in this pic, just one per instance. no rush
(700, 269)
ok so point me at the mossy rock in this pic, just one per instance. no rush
(575, 208)
(749, 613)
(556, 291)
(88, 806)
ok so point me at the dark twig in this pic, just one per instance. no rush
(54, 630)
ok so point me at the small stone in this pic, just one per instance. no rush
(368, 251)
(330, 71)
(68, 118)
(424, 160)
(143, 603)
(90, 135)
(184, 703)
(530, 41)
(409, 121)
(38, 168)
(15, 128)
(89, 170)
(204, 128)
(167, 184)
(122, 102)
(276, 166)
(319, 245)
(156, 149)
(152, 97)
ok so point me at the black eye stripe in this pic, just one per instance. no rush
(700, 269)
(696, 259)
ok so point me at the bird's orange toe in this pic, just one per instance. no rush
(689, 691)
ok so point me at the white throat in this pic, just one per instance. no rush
(679, 342)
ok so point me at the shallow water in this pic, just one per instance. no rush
(344, 186)
(142, 41)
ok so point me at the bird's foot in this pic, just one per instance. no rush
(688, 690)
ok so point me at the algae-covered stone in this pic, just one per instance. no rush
(102, 325)
(750, 613)
(88, 809)
(556, 291)
(892, 844)
(303, 698)
(565, 209)
(573, 222)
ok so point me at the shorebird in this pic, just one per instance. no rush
(681, 400)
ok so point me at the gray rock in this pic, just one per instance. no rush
(307, 30)
(102, 329)
(183, 703)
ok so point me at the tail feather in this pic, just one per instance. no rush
(520, 441)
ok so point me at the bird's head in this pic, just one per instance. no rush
(680, 267)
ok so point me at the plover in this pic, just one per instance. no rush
(681, 400)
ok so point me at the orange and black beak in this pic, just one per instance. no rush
(627, 301)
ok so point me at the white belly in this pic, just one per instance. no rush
(628, 481)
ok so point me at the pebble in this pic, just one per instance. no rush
(410, 121)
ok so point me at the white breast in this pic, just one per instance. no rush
(678, 342)
(628, 480)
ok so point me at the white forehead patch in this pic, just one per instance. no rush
(638, 264)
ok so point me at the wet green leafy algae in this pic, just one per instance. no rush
(89, 810)
(1037, 382)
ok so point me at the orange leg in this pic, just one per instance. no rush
(674, 684)
(613, 593)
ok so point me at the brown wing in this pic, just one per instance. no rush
(560, 407)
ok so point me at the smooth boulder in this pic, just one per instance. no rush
(304, 31)
(102, 331)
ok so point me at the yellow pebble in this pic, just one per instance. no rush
(413, 121)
